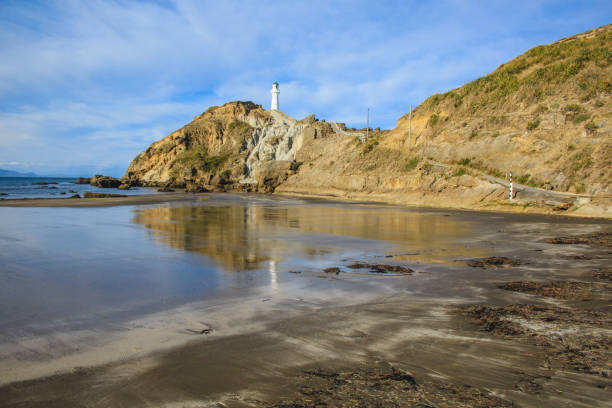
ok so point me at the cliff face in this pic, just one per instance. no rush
(213, 141)
(545, 116)
(237, 146)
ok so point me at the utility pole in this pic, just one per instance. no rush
(368, 124)
(410, 128)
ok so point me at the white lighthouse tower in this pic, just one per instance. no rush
(275, 91)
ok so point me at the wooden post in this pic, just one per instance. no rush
(510, 185)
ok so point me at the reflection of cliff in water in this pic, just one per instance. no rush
(228, 234)
(241, 236)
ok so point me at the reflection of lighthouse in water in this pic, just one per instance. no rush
(275, 91)
(273, 276)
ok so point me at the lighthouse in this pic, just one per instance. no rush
(275, 91)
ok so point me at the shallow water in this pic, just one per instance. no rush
(55, 187)
(63, 268)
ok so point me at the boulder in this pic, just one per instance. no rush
(191, 187)
(131, 182)
(83, 180)
(124, 187)
(217, 181)
(176, 184)
(309, 120)
(220, 180)
(105, 181)
(271, 174)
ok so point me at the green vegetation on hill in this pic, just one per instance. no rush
(536, 73)
(198, 158)
(524, 116)
(238, 126)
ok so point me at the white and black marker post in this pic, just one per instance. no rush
(510, 185)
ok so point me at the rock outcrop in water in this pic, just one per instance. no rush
(545, 116)
(104, 181)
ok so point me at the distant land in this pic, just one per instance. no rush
(11, 173)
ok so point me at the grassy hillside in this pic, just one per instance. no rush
(577, 63)
(545, 115)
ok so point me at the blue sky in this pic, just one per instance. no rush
(86, 85)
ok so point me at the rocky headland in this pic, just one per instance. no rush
(545, 116)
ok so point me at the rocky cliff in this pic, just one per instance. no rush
(545, 116)
(237, 146)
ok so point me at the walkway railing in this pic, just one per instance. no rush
(341, 132)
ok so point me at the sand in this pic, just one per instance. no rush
(601, 210)
(102, 202)
(263, 362)
(339, 340)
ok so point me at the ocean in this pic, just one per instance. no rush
(55, 187)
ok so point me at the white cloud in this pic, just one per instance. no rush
(95, 82)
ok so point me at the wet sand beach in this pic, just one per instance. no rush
(100, 202)
(317, 303)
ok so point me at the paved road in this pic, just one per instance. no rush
(520, 187)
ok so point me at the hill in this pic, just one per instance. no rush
(11, 173)
(237, 146)
(544, 116)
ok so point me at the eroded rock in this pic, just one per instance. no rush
(271, 174)
(381, 268)
(105, 181)
(495, 261)
(191, 187)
